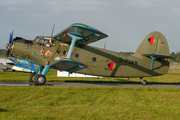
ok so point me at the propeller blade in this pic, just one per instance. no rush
(8, 46)
(10, 37)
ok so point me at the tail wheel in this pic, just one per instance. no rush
(40, 80)
(31, 77)
(144, 82)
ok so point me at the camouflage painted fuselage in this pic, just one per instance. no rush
(99, 62)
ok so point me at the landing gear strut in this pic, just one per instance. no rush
(143, 82)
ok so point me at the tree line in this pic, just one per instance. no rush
(176, 57)
(3, 51)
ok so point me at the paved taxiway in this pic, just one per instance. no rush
(93, 84)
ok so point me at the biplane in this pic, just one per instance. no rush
(69, 51)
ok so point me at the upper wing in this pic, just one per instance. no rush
(88, 34)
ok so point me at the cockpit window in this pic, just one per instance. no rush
(47, 42)
(37, 40)
(43, 41)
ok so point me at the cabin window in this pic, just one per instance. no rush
(76, 55)
(64, 52)
(58, 51)
(94, 59)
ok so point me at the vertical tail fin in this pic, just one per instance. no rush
(155, 47)
(154, 42)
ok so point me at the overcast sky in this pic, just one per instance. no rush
(126, 22)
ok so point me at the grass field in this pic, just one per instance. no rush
(103, 103)
(77, 103)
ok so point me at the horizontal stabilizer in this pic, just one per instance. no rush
(87, 34)
(68, 65)
(155, 56)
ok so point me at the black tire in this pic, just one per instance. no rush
(31, 78)
(144, 82)
(40, 80)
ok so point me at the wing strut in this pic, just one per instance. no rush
(155, 56)
(75, 35)
(152, 63)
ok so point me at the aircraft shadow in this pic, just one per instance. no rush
(102, 81)
(122, 81)
(3, 110)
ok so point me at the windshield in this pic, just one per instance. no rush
(37, 40)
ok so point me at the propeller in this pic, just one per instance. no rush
(8, 45)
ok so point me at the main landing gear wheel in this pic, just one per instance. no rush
(144, 82)
(31, 78)
(40, 80)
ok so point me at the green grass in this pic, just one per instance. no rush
(52, 76)
(76, 103)
(103, 103)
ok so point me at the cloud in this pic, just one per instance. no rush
(15, 3)
(58, 6)
(140, 3)
(75, 5)
(156, 7)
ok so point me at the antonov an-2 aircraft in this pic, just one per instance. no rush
(69, 51)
